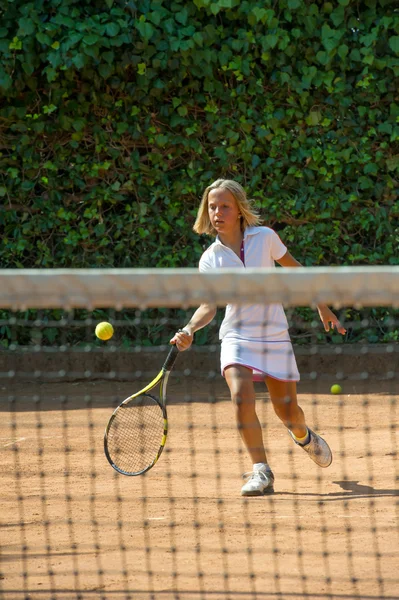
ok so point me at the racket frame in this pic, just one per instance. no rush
(162, 379)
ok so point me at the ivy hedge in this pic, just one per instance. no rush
(115, 115)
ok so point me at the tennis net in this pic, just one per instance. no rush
(72, 527)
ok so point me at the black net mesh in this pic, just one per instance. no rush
(72, 527)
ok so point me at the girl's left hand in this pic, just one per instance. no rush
(330, 321)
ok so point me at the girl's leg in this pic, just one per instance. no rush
(239, 380)
(285, 404)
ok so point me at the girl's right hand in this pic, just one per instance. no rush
(183, 339)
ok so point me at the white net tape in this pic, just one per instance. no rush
(126, 288)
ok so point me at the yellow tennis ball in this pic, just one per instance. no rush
(104, 331)
(336, 389)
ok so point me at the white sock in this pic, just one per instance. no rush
(304, 440)
(261, 467)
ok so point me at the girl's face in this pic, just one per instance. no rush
(223, 211)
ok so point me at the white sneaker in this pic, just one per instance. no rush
(259, 483)
(317, 448)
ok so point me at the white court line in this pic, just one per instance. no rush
(306, 516)
(282, 517)
(21, 439)
(14, 442)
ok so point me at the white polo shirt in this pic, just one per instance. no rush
(262, 246)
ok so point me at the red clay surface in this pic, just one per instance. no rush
(74, 528)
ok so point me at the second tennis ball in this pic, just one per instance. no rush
(336, 389)
(104, 331)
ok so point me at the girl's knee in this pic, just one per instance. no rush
(239, 397)
(285, 402)
(242, 394)
(285, 407)
(244, 406)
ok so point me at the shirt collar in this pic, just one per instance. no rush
(247, 232)
(251, 231)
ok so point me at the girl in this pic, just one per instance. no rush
(255, 343)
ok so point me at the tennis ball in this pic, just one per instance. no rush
(104, 331)
(336, 389)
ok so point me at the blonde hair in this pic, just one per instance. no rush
(249, 216)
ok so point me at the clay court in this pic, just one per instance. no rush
(74, 528)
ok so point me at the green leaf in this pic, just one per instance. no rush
(26, 27)
(72, 40)
(259, 13)
(330, 37)
(285, 77)
(50, 73)
(60, 19)
(79, 60)
(122, 128)
(370, 168)
(338, 16)
(314, 118)
(27, 186)
(55, 45)
(145, 29)
(155, 16)
(176, 102)
(393, 163)
(367, 40)
(105, 70)
(79, 124)
(198, 38)
(385, 128)
(294, 4)
(310, 73)
(112, 29)
(187, 31)
(16, 44)
(394, 43)
(355, 55)
(269, 41)
(365, 183)
(28, 68)
(90, 39)
(368, 59)
(109, 57)
(394, 110)
(47, 110)
(5, 80)
(182, 16)
(92, 51)
(161, 140)
(323, 57)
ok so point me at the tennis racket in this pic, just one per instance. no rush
(136, 432)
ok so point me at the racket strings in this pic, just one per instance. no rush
(135, 434)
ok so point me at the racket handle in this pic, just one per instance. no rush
(170, 359)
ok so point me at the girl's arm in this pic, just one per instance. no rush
(202, 317)
(329, 319)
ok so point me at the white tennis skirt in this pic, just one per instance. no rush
(266, 358)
